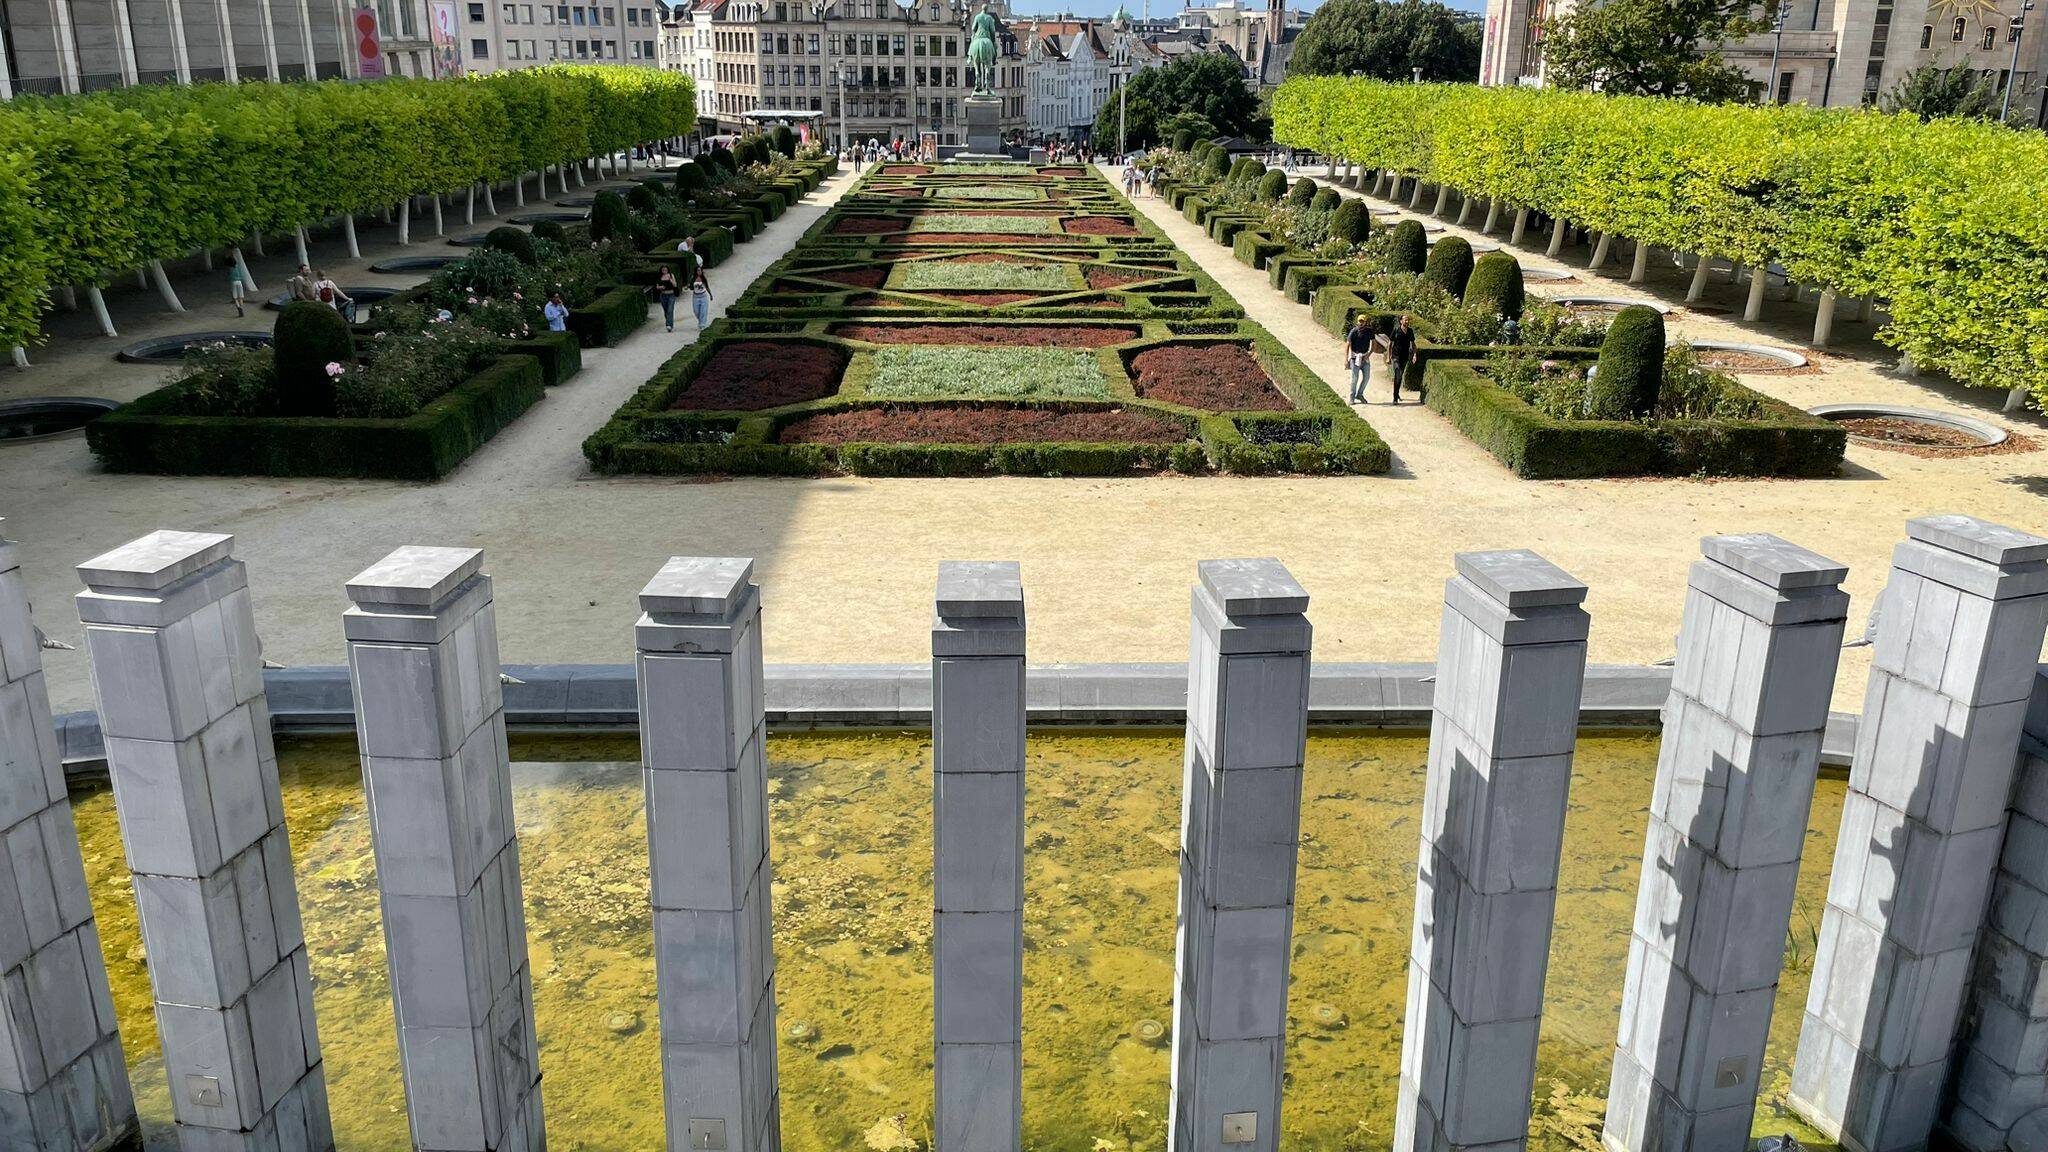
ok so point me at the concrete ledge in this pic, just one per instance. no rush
(604, 696)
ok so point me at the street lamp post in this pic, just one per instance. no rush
(1417, 71)
(839, 77)
(1122, 24)
(2012, 72)
(1777, 42)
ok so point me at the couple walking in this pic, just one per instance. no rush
(1360, 344)
(667, 288)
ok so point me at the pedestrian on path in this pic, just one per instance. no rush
(1400, 350)
(700, 299)
(556, 312)
(238, 289)
(1359, 346)
(666, 289)
(329, 293)
(300, 286)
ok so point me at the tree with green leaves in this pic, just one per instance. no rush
(1652, 48)
(1388, 41)
(1205, 92)
(1932, 92)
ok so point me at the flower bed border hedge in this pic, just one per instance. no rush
(431, 443)
(1536, 446)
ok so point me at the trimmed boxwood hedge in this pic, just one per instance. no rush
(1256, 248)
(142, 437)
(1785, 442)
(560, 355)
(610, 318)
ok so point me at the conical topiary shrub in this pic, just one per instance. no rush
(1408, 248)
(1351, 222)
(1325, 200)
(1272, 186)
(690, 178)
(1496, 286)
(1449, 265)
(551, 231)
(1216, 165)
(641, 198)
(1184, 140)
(1303, 193)
(309, 336)
(1631, 371)
(512, 241)
(723, 157)
(608, 216)
(783, 140)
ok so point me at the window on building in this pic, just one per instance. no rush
(1926, 35)
(813, 42)
(576, 15)
(511, 13)
(1962, 26)
(782, 43)
(1785, 87)
(782, 11)
(896, 46)
(476, 13)
(479, 50)
(952, 45)
(611, 17)
(648, 48)
(1990, 35)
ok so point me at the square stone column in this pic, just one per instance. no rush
(1958, 636)
(63, 1082)
(430, 722)
(1511, 662)
(1757, 651)
(703, 740)
(978, 855)
(179, 678)
(1247, 732)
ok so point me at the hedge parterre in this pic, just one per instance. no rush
(1098, 350)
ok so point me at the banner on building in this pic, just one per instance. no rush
(369, 51)
(446, 45)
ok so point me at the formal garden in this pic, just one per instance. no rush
(1552, 389)
(968, 319)
(436, 370)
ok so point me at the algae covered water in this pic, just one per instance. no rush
(851, 817)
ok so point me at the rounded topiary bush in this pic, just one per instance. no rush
(1303, 193)
(1408, 248)
(309, 336)
(1216, 164)
(641, 198)
(608, 216)
(551, 231)
(690, 178)
(1631, 369)
(783, 140)
(511, 241)
(1325, 200)
(1272, 186)
(1351, 223)
(1496, 286)
(723, 157)
(1183, 139)
(1449, 264)
(1247, 171)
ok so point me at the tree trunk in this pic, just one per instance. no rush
(163, 286)
(405, 221)
(299, 246)
(1443, 201)
(1758, 281)
(2015, 400)
(20, 356)
(469, 207)
(1824, 320)
(1558, 229)
(1640, 269)
(1415, 197)
(1521, 226)
(348, 233)
(256, 243)
(1699, 278)
(490, 200)
(1599, 259)
(1492, 216)
(99, 309)
(1464, 209)
(248, 281)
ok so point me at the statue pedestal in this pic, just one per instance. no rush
(984, 128)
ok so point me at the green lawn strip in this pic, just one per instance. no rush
(999, 225)
(991, 192)
(986, 276)
(930, 372)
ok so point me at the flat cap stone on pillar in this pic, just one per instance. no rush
(1952, 670)
(703, 739)
(1247, 726)
(178, 675)
(1757, 653)
(1510, 667)
(423, 662)
(63, 1081)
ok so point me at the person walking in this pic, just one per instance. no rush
(1359, 345)
(1400, 350)
(700, 298)
(329, 293)
(238, 288)
(300, 285)
(666, 289)
(557, 313)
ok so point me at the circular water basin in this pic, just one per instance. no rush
(1608, 303)
(1546, 275)
(576, 201)
(557, 217)
(364, 294)
(172, 349)
(1728, 356)
(414, 263)
(44, 417)
(1897, 425)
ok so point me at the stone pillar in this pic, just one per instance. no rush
(179, 679)
(1240, 825)
(63, 1082)
(1757, 651)
(702, 739)
(430, 722)
(1511, 662)
(2002, 1073)
(978, 855)
(1961, 627)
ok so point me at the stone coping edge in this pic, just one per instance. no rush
(604, 696)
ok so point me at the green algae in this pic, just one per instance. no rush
(852, 858)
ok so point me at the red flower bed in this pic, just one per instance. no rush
(1214, 378)
(1011, 335)
(866, 226)
(1099, 226)
(903, 193)
(874, 302)
(989, 298)
(906, 170)
(857, 277)
(979, 238)
(1061, 171)
(948, 424)
(1116, 277)
(756, 374)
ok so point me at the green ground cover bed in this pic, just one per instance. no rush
(991, 192)
(961, 424)
(922, 372)
(987, 275)
(988, 223)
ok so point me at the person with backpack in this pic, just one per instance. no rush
(329, 293)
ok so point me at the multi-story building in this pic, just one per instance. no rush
(1261, 38)
(57, 46)
(1073, 67)
(496, 35)
(1830, 52)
